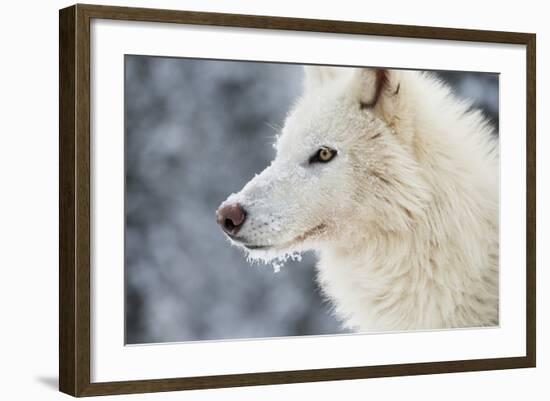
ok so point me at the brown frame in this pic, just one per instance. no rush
(74, 199)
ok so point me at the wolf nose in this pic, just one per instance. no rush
(231, 218)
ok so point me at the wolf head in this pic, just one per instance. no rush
(344, 159)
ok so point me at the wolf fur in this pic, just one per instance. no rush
(404, 219)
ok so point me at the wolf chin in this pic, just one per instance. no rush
(393, 182)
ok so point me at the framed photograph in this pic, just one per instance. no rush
(250, 200)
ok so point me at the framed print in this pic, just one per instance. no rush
(249, 200)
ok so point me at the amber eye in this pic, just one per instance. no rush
(323, 155)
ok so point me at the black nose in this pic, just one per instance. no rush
(231, 218)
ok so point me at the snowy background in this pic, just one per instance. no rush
(196, 131)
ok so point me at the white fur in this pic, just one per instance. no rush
(404, 218)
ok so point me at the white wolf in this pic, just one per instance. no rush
(393, 181)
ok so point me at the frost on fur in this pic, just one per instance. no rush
(276, 259)
(402, 207)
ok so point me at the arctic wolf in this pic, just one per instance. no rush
(393, 181)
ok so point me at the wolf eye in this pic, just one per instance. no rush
(323, 155)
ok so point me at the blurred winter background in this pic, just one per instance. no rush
(196, 131)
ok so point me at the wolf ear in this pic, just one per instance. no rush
(375, 85)
(384, 92)
(316, 76)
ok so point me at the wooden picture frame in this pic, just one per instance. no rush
(74, 199)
